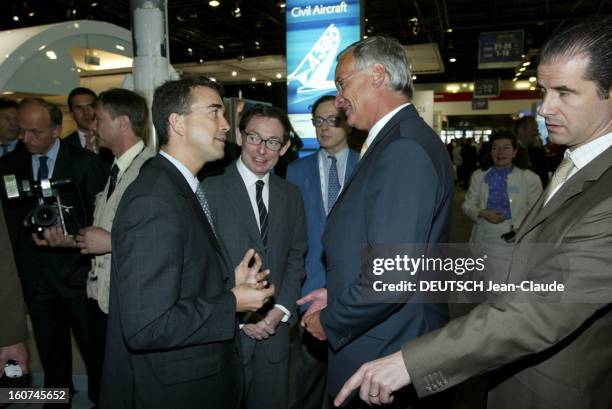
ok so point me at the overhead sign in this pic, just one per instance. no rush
(500, 49)
(316, 32)
(480, 103)
(486, 87)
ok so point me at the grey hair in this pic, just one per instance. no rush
(387, 52)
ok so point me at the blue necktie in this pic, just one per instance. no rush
(204, 204)
(263, 213)
(333, 184)
(43, 169)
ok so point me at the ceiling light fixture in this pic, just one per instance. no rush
(221, 46)
(526, 63)
(279, 75)
(449, 30)
(15, 18)
(452, 59)
(31, 14)
(532, 79)
(234, 73)
(94, 4)
(268, 83)
(213, 3)
(51, 55)
(253, 79)
(119, 47)
(213, 79)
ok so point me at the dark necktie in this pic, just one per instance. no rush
(43, 169)
(113, 180)
(333, 184)
(263, 213)
(204, 204)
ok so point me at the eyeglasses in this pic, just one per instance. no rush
(340, 81)
(255, 139)
(333, 121)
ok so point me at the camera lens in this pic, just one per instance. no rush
(44, 216)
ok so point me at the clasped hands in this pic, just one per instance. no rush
(376, 380)
(311, 321)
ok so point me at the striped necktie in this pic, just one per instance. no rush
(263, 213)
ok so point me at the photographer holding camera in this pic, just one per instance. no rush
(53, 279)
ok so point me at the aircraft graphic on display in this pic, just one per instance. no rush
(313, 70)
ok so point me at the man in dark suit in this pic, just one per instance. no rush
(531, 154)
(53, 280)
(400, 192)
(12, 308)
(549, 348)
(320, 178)
(171, 340)
(257, 209)
(81, 104)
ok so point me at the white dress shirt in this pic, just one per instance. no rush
(325, 164)
(250, 179)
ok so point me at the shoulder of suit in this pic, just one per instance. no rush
(77, 151)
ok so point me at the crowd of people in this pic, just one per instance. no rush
(181, 292)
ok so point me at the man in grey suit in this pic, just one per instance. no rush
(320, 178)
(400, 192)
(257, 209)
(171, 340)
(548, 350)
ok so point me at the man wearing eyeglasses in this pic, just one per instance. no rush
(320, 178)
(256, 209)
(400, 192)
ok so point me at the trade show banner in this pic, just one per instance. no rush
(316, 32)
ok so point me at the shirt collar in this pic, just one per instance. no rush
(584, 154)
(379, 125)
(52, 153)
(124, 161)
(340, 155)
(189, 177)
(249, 178)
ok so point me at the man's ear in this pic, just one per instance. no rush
(285, 147)
(176, 122)
(378, 75)
(238, 137)
(124, 122)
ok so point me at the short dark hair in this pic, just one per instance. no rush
(7, 103)
(503, 135)
(591, 38)
(327, 98)
(54, 112)
(521, 123)
(267, 111)
(175, 97)
(119, 101)
(80, 91)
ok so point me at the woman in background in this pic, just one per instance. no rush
(497, 201)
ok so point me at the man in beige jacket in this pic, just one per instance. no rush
(550, 350)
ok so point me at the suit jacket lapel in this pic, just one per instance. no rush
(237, 192)
(385, 132)
(276, 211)
(574, 186)
(313, 185)
(184, 190)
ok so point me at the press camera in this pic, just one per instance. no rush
(49, 209)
